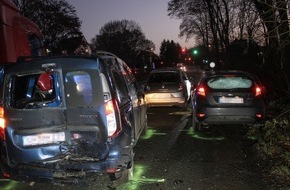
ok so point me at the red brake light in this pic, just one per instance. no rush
(6, 175)
(180, 87)
(200, 115)
(258, 91)
(201, 91)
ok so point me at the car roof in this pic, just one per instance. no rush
(166, 70)
(209, 73)
(43, 63)
(32, 63)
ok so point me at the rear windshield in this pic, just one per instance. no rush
(33, 91)
(44, 90)
(83, 88)
(229, 82)
(164, 77)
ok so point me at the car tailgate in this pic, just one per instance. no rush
(230, 98)
(51, 134)
(164, 87)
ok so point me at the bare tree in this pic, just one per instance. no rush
(215, 22)
(170, 52)
(59, 23)
(124, 38)
(275, 16)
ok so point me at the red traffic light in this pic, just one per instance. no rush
(183, 50)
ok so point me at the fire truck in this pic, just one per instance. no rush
(19, 36)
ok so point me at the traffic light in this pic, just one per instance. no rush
(183, 50)
(195, 51)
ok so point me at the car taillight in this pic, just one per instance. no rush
(201, 91)
(200, 115)
(180, 88)
(2, 123)
(112, 111)
(258, 91)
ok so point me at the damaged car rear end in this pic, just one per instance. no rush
(60, 120)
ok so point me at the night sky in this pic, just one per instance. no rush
(151, 15)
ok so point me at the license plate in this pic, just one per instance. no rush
(162, 96)
(43, 138)
(231, 100)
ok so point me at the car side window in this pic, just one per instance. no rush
(130, 79)
(119, 83)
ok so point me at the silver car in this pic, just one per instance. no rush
(167, 87)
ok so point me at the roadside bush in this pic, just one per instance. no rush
(274, 138)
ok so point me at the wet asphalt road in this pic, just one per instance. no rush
(171, 156)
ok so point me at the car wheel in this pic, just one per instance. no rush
(196, 126)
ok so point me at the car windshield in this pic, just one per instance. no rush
(164, 77)
(229, 82)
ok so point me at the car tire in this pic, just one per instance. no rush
(196, 126)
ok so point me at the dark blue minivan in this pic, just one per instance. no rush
(66, 118)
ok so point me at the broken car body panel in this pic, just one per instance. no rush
(63, 133)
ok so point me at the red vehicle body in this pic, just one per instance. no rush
(19, 36)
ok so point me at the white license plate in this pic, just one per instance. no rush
(231, 100)
(43, 138)
(162, 96)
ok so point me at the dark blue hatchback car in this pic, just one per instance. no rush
(66, 118)
(228, 97)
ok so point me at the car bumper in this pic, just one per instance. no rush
(64, 170)
(174, 99)
(68, 168)
(214, 115)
